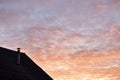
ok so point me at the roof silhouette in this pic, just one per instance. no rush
(26, 70)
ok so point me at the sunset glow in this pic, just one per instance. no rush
(69, 39)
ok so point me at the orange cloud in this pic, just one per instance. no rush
(118, 2)
(76, 66)
(101, 6)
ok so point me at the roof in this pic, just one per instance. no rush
(27, 70)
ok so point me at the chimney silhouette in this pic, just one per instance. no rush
(18, 56)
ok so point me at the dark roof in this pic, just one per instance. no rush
(26, 70)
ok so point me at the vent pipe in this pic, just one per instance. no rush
(18, 56)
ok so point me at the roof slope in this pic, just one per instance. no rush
(27, 70)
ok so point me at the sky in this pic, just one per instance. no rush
(69, 39)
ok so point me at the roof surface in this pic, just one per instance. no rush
(27, 70)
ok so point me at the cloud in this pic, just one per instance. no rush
(118, 2)
(57, 40)
(105, 65)
(73, 36)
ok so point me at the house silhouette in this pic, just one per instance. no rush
(15, 65)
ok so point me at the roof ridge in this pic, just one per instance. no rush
(10, 50)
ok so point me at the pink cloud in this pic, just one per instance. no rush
(118, 2)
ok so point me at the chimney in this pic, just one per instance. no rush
(18, 56)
